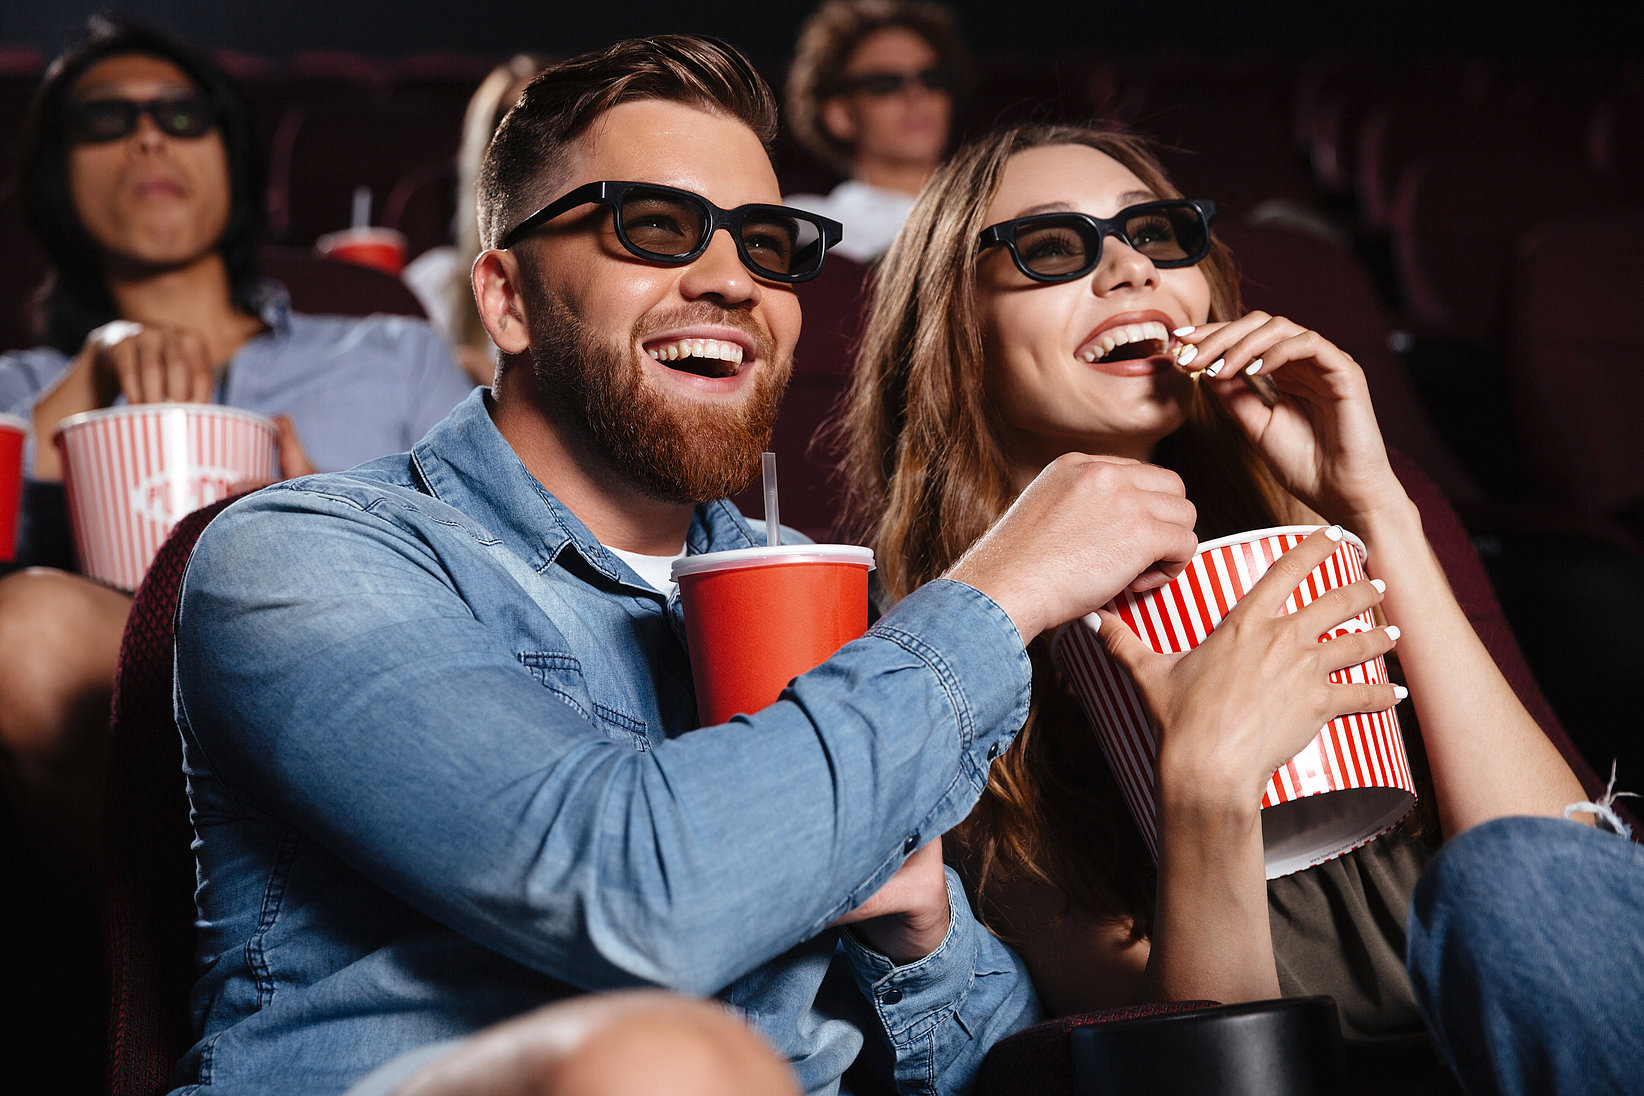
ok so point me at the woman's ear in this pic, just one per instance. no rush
(501, 304)
(838, 119)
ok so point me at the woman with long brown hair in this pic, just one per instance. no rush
(1052, 293)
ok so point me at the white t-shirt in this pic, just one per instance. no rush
(653, 569)
(871, 215)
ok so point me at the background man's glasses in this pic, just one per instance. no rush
(96, 121)
(884, 84)
(671, 227)
(1059, 247)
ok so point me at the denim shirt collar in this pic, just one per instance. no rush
(465, 462)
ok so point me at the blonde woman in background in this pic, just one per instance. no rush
(439, 276)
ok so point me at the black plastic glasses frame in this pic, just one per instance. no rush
(1004, 234)
(612, 194)
(886, 83)
(99, 121)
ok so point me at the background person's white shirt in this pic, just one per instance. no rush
(871, 215)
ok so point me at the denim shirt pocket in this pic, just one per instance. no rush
(561, 674)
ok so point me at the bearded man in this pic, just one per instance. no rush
(437, 711)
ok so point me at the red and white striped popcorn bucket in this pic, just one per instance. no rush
(131, 473)
(1348, 786)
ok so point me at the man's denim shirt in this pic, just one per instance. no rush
(436, 749)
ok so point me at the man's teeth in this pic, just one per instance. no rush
(1116, 337)
(697, 348)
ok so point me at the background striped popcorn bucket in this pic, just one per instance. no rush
(14, 434)
(132, 472)
(1349, 785)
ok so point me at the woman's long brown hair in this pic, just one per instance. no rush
(926, 474)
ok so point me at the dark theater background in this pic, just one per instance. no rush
(1453, 192)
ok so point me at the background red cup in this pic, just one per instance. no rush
(756, 618)
(14, 434)
(131, 473)
(383, 248)
(1348, 786)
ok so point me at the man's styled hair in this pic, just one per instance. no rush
(826, 41)
(527, 153)
(77, 298)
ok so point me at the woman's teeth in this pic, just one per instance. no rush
(1127, 335)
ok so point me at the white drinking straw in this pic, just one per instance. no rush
(362, 206)
(773, 526)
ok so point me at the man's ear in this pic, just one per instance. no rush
(500, 300)
(838, 120)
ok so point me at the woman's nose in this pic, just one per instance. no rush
(1122, 266)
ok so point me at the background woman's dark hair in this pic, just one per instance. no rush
(77, 297)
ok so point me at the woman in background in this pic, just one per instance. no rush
(439, 276)
(872, 94)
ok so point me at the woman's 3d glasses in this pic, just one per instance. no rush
(1059, 247)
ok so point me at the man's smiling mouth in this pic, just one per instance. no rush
(702, 357)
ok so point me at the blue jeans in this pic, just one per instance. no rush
(1526, 947)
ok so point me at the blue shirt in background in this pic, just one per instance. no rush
(354, 387)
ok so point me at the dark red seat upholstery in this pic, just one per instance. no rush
(811, 498)
(326, 148)
(334, 287)
(149, 882)
(1576, 361)
(1290, 271)
(1456, 219)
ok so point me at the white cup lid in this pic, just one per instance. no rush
(782, 553)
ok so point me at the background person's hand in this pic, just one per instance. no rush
(1085, 529)
(148, 363)
(293, 458)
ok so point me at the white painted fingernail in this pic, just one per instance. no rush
(1393, 631)
(1180, 331)
(1381, 587)
(1214, 369)
(1334, 532)
(1253, 368)
(1400, 692)
(1186, 353)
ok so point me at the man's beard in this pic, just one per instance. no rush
(676, 450)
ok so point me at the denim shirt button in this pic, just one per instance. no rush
(993, 751)
(910, 844)
(891, 996)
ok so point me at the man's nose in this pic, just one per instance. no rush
(720, 273)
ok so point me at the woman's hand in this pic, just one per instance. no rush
(1320, 438)
(1258, 689)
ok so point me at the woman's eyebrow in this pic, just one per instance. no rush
(1128, 198)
